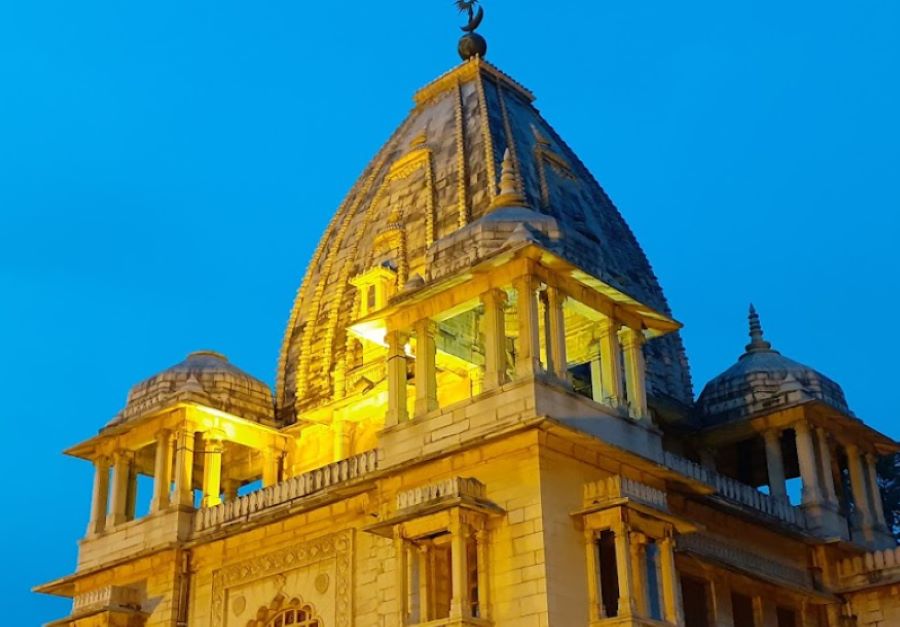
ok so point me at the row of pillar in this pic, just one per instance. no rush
(113, 499)
(611, 384)
(815, 461)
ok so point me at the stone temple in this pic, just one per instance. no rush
(484, 415)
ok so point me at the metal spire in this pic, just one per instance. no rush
(757, 343)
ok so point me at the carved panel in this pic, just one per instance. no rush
(335, 548)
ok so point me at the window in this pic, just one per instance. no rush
(609, 573)
(296, 613)
(742, 610)
(430, 587)
(787, 617)
(695, 597)
(651, 563)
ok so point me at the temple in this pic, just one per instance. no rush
(484, 415)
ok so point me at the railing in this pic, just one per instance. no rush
(870, 562)
(457, 487)
(730, 553)
(105, 597)
(623, 487)
(297, 487)
(738, 492)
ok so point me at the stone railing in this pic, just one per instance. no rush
(868, 563)
(457, 487)
(622, 487)
(106, 597)
(738, 492)
(298, 487)
(727, 552)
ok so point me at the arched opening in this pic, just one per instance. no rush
(295, 612)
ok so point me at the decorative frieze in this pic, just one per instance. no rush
(107, 597)
(298, 487)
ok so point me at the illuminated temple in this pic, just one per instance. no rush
(483, 415)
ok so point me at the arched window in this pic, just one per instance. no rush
(295, 613)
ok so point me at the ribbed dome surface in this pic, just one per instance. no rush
(437, 174)
(763, 379)
(206, 377)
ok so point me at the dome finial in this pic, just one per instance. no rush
(471, 44)
(509, 195)
(757, 341)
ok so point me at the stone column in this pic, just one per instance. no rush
(623, 567)
(775, 464)
(271, 466)
(528, 358)
(861, 496)
(830, 494)
(459, 568)
(875, 491)
(426, 367)
(121, 476)
(610, 362)
(809, 467)
(184, 467)
(556, 334)
(396, 376)
(99, 496)
(401, 560)
(673, 611)
(640, 591)
(343, 438)
(596, 373)
(481, 554)
(212, 469)
(635, 372)
(596, 611)
(162, 471)
(494, 329)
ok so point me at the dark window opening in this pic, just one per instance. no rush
(695, 598)
(786, 617)
(742, 610)
(609, 573)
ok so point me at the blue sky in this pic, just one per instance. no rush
(166, 169)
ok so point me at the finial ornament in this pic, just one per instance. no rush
(471, 44)
(757, 341)
(509, 195)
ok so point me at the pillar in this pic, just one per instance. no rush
(396, 376)
(401, 558)
(610, 362)
(635, 372)
(775, 464)
(640, 592)
(99, 496)
(556, 334)
(481, 554)
(596, 611)
(858, 484)
(162, 471)
(494, 329)
(459, 568)
(121, 476)
(426, 367)
(623, 567)
(212, 469)
(673, 611)
(830, 494)
(343, 438)
(809, 471)
(528, 361)
(184, 467)
(271, 466)
(875, 491)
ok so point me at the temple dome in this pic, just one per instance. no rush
(204, 377)
(437, 175)
(762, 380)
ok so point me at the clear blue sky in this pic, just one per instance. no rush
(167, 167)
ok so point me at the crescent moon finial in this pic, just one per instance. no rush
(471, 44)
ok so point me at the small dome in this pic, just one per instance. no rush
(205, 377)
(763, 379)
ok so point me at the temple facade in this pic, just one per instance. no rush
(484, 415)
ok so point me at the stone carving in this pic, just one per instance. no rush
(458, 487)
(623, 487)
(337, 546)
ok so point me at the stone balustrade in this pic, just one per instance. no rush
(618, 486)
(301, 486)
(728, 552)
(457, 487)
(104, 598)
(737, 492)
(872, 562)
